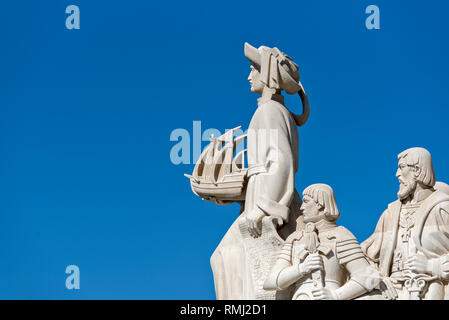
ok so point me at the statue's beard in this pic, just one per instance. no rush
(406, 188)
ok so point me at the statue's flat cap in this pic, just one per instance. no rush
(252, 54)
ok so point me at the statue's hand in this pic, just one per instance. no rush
(311, 263)
(324, 294)
(387, 289)
(443, 266)
(254, 220)
(419, 264)
(440, 267)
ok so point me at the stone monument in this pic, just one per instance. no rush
(282, 248)
(270, 205)
(410, 244)
(323, 261)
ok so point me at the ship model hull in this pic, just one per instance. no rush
(219, 173)
(231, 188)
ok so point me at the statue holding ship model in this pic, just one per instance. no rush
(279, 248)
(265, 189)
(218, 176)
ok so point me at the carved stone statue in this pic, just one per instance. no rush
(266, 189)
(281, 248)
(272, 138)
(322, 261)
(410, 244)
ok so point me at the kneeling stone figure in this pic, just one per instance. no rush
(323, 260)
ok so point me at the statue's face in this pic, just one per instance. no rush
(310, 208)
(406, 175)
(254, 80)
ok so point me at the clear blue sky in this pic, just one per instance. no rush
(86, 117)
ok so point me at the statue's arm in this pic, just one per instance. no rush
(371, 246)
(362, 276)
(283, 274)
(440, 266)
(278, 177)
(285, 277)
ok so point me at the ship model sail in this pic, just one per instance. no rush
(219, 174)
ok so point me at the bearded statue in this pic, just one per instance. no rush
(410, 244)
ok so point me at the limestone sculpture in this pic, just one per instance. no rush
(410, 244)
(281, 248)
(322, 261)
(266, 189)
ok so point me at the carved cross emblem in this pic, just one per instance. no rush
(407, 222)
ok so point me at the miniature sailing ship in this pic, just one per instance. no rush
(219, 176)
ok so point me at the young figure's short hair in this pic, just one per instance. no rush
(324, 196)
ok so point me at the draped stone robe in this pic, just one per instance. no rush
(272, 159)
(272, 145)
(430, 236)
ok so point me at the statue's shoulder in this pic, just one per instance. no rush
(391, 207)
(275, 113)
(440, 196)
(347, 246)
(272, 107)
(394, 204)
(343, 235)
(440, 201)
